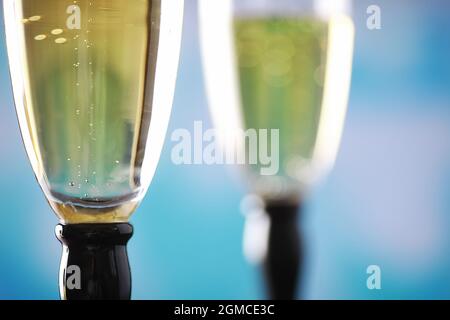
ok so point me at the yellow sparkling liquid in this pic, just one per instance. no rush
(84, 101)
(294, 76)
(281, 72)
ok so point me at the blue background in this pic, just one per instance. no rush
(385, 203)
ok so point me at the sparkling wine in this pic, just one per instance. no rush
(86, 72)
(282, 71)
(281, 66)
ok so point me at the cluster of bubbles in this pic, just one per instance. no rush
(55, 32)
(276, 47)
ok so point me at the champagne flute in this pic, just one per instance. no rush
(93, 85)
(283, 65)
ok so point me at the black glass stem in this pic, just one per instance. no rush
(284, 257)
(94, 263)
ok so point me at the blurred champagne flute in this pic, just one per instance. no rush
(283, 65)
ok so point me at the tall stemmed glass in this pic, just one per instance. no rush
(283, 65)
(93, 84)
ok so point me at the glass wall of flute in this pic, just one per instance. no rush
(283, 66)
(93, 85)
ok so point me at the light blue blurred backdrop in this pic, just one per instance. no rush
(386, 202)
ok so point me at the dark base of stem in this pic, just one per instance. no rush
(94, 264)
(283, 262)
